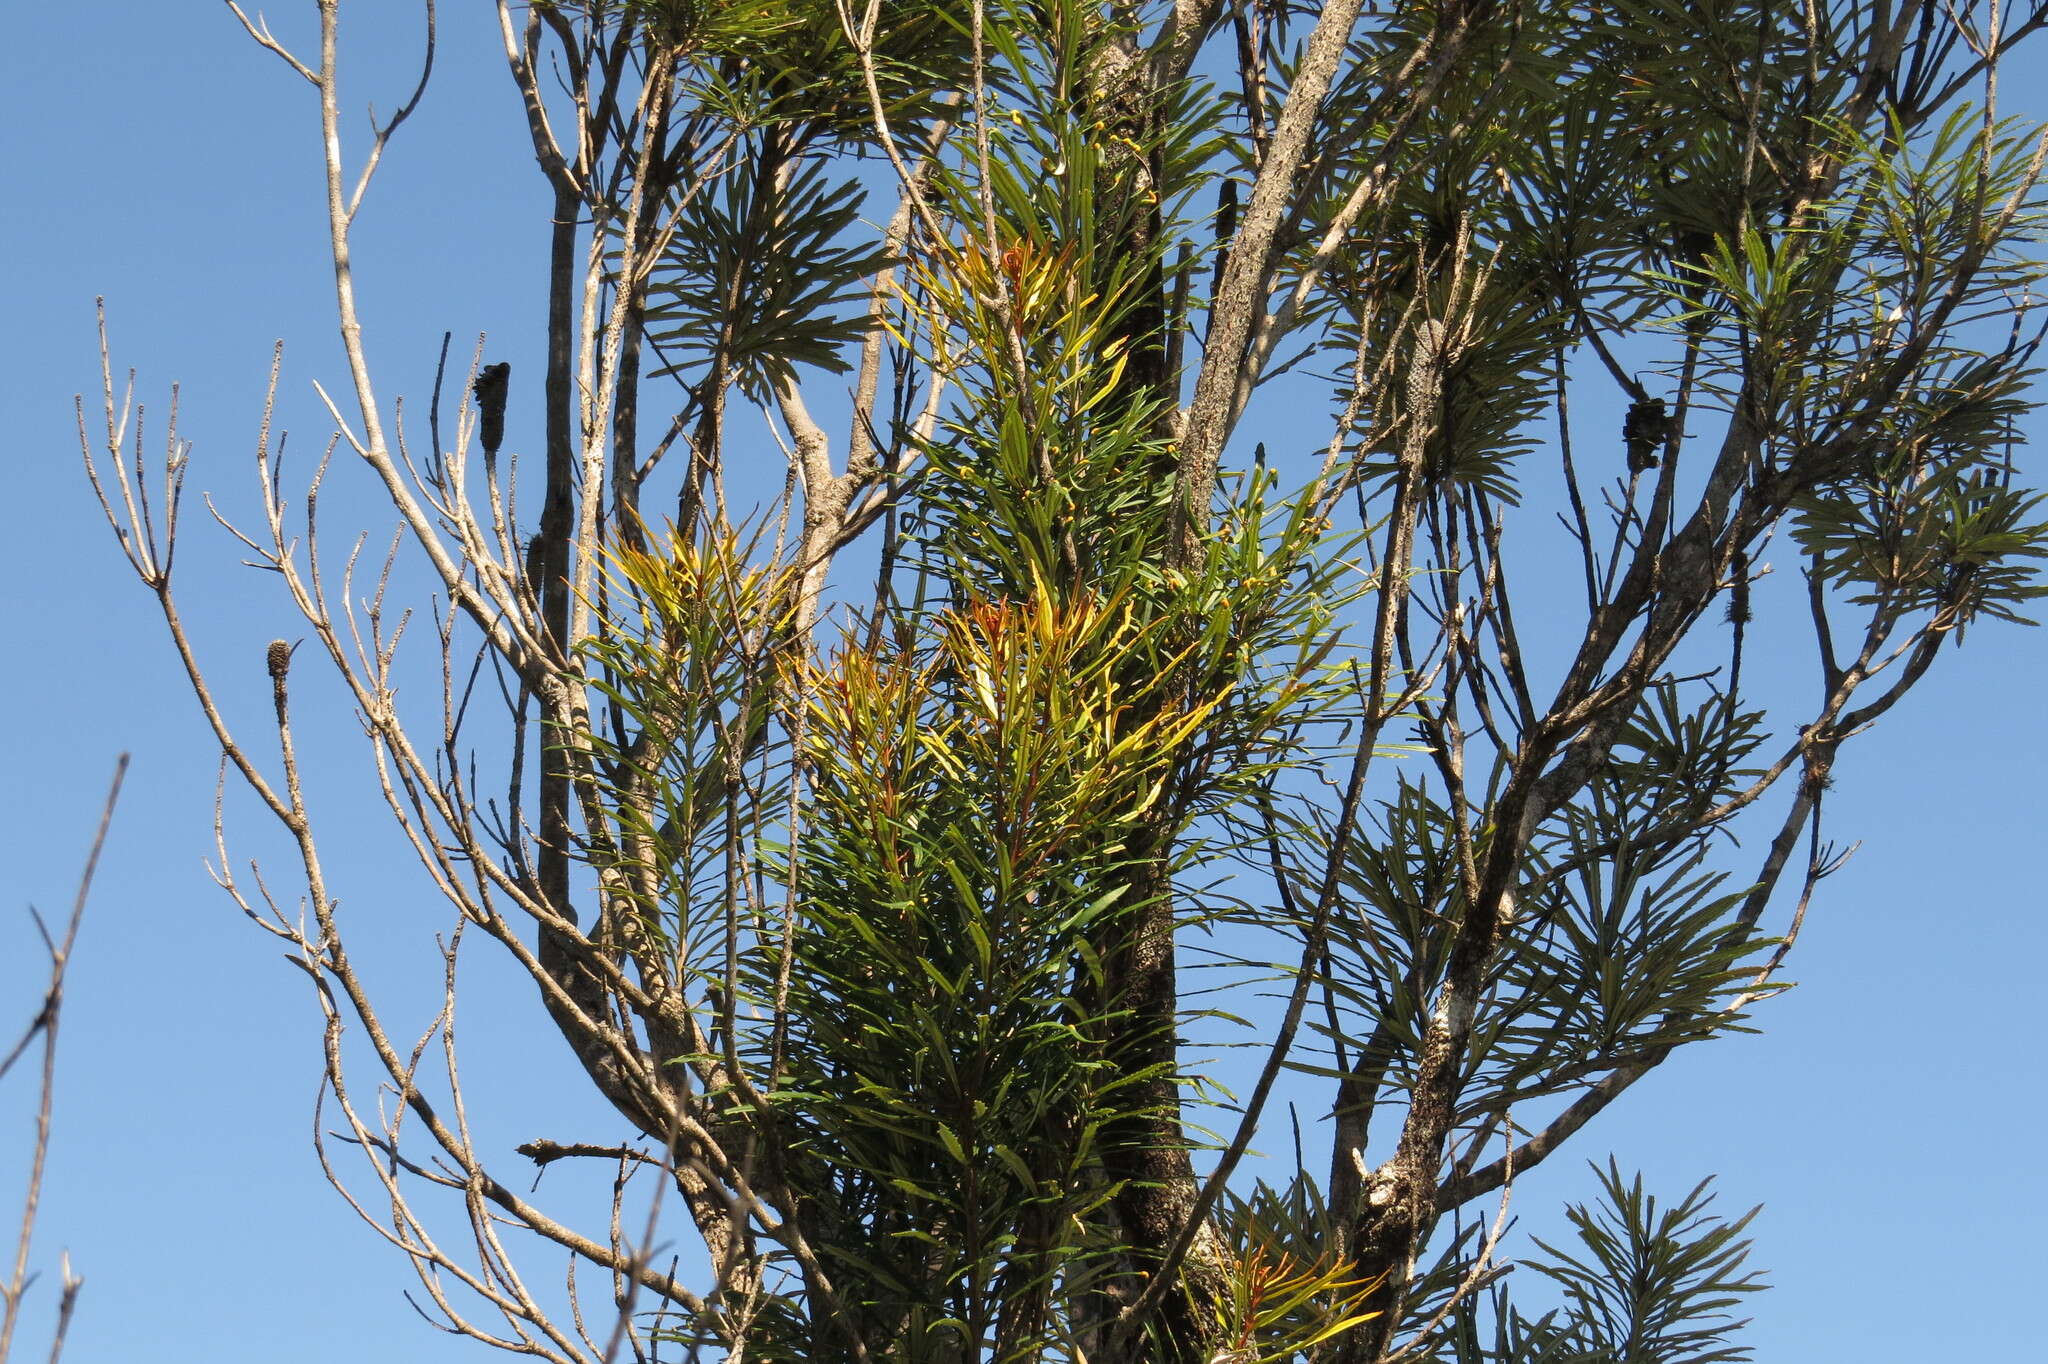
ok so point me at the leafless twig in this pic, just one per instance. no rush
(44, 1025)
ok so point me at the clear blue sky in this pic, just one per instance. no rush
(154, 156)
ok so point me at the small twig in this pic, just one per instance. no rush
(45, 1024)
(545, 1152)
(260, 31)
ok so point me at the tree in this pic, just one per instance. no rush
(859, 839)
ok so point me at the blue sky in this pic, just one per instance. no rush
(1883, 1115)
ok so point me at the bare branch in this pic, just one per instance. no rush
(45, 1025)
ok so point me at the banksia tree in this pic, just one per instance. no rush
(859, 826)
